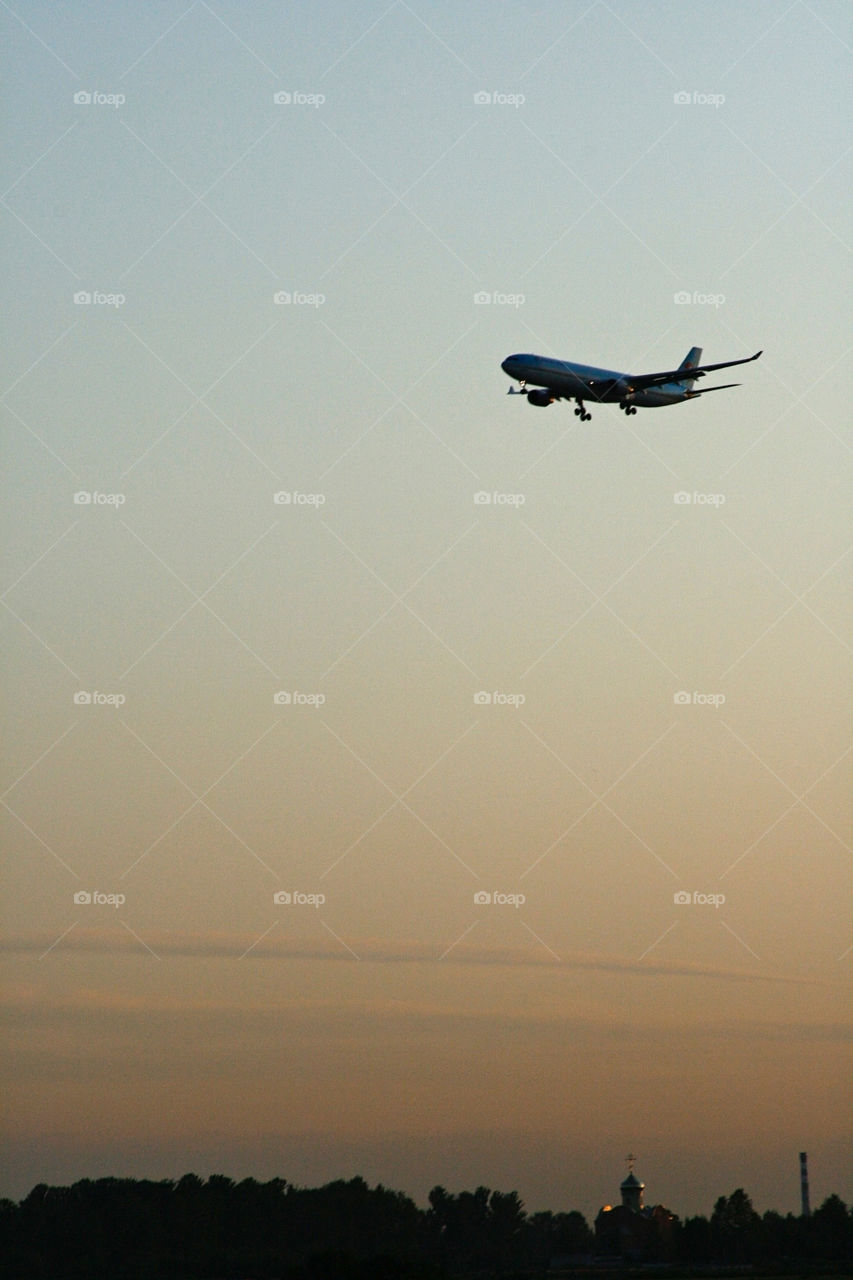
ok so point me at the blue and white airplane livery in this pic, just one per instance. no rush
(563, 380)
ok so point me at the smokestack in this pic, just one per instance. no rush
(804, 1183)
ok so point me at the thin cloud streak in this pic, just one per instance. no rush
(378, 951)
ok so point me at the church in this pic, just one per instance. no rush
(633, 1230)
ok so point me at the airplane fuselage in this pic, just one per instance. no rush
(584, 382)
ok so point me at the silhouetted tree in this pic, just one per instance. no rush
(123, 1229)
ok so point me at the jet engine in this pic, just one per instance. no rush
(540, 397)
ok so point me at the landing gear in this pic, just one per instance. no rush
(581, 413)
(627, 409)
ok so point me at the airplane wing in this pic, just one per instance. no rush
(705, 390)
(640, 382)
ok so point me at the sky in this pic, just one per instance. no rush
(404, 780)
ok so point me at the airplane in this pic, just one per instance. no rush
(563, 380)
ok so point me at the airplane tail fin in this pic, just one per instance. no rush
(690, 361)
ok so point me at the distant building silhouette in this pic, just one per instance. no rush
(631, 1229)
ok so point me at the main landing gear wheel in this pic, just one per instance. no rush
(581, 413)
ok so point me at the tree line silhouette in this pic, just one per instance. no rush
(218, 1229)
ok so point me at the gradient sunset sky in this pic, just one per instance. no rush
(266, 637)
